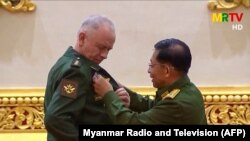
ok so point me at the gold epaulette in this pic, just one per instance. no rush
(164, 94)
(171, 95)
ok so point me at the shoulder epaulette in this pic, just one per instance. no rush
(76, 62)
(164, 94)
(170, 95)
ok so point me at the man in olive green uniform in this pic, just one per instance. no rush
(70, 98)
(177, 100)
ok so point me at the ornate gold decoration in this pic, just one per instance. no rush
(223, 114)
(227, 4)
(18, 5)
(227, 105)
(22, 118)
(227, 109)
(22, 109)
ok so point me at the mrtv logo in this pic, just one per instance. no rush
(234, 18)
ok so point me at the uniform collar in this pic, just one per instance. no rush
(176, 85)
(72, 53)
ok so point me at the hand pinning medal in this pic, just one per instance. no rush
(101, 85)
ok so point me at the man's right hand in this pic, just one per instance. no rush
(124, 96)
(101, 85)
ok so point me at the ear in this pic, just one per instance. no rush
(81, 38)
(167, 70)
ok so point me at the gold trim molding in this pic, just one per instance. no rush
(21, 110)
(227, 4)
(18, 5)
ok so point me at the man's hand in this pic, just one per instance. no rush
(124, 96)
(101, 85)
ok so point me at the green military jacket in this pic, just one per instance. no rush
(70, 98)
(179, 103)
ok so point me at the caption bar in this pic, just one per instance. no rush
(239, 132)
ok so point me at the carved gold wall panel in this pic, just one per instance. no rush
(18, 5)
(22, 109)
(227, 4)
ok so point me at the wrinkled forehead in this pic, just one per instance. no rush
(103, 37)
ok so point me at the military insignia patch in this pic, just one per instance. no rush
(76, 62)
(170, 95)
(69, 88)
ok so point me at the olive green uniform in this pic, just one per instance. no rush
(179, 103)
(70, 98)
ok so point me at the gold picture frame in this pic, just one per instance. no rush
(227, 4)
(18, 5)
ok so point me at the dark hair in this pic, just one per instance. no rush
(175, 52)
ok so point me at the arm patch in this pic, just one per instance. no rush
(69, 88)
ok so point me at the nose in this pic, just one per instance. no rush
(104, 54)
(149, 70)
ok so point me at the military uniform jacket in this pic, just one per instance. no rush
(70, 98)
(179, 103)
